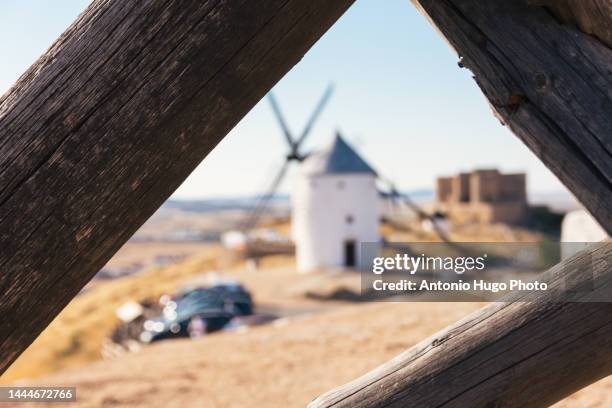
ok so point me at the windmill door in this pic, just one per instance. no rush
(350, 253)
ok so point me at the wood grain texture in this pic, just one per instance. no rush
(530, 352)
(590, 16)
(99, 132)
(549, 82)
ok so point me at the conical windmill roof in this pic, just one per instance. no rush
(339, 158)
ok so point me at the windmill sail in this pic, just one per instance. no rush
(294, 154)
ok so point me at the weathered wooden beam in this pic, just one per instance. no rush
(591, 16)
(549, 82)
(530, 352)
(99, 132)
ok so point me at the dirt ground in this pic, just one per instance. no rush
(146, 252)
(315, 346)
(285, 364)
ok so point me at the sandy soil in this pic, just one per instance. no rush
(317, 346)
(76, 336)
(282, 365)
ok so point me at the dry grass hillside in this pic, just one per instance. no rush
(315, 346)
(76, 335)
(280, 365)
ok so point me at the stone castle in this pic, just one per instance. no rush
(485, 196)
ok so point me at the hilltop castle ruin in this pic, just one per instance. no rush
(485, 196)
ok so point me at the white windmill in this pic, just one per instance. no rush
(335, 200)
(335, 208)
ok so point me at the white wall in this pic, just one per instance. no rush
(581, 228)
(321, 205)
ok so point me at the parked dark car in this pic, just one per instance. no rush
(210, 307)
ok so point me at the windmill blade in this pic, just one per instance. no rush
(394, 195)
(414, 206)
(439, 232)
(281, 119)
(263, 201)
(404, 198)
(315, 115)
(389, 198)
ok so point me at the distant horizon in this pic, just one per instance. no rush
(239, 196)
(531, 195)
(418, 191)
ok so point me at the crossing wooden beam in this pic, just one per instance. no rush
(590, 16)
(99, 132)
(104, 126)
(544, 66)
(529, 352)
(545, 79)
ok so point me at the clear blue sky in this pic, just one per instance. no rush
(400, 99)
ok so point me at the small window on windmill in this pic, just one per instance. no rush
(340, 185)
(349, 219)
